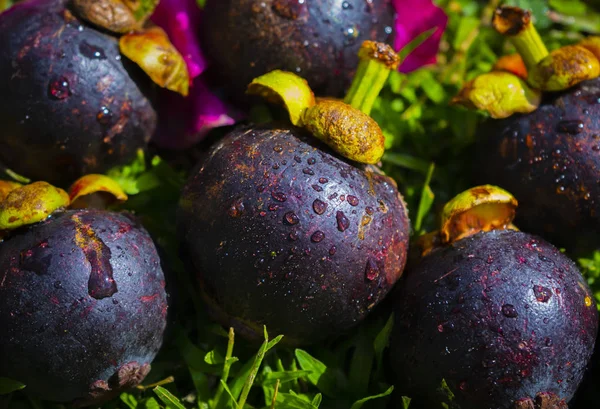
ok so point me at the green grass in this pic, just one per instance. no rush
(202, 366)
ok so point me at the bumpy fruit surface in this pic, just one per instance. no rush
(82, 305)
(502, 316)
(70, 105)
(283, 233)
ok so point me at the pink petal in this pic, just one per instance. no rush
(413, 18)
(184, 121)
(181, 19)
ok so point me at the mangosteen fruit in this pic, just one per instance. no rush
(82, 297)
(316, 39)
(491, 317)
(71, 104)
(546, 148)
(282, 230)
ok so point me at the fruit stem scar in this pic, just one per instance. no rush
(376, 61)
(101, 283)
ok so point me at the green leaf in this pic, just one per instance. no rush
(228, 391)
(293, 401)
(407, 161)
(145, 9)
(446, 391)
(427, 197)
(466, 27)
(283, 376)
(168, 398)
(9, 385)
(359, 403)
(361, 365)
(129, 400)
(214, 358)
(590, 268)
(405, 402)
(317, 400)
(319, 375)
(151, 403)
(382, 340)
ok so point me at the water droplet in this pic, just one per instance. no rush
(59, 88)
(371, 271)
(308, 171)
(462, 386)
(294, 235)
(388, 30)
(548, 342)
(91, 51)
(278, 148)
(298, 159)
(319, 206)
(342, 221)
(317, 236)
(544, 258)
(353, 200)
(273, 207)
(509, 311)
(260, 188)
(488, 363)
(545, 320)
(104, 116)
(323, 180)
(332, 250)
(317, 188)
(542, 294)
(57, 285)
(347, 6)
(236, 209)
(291, 218)
(311, 161)
(572, 127)
(369, 210)
(279, 196)
(350, 35)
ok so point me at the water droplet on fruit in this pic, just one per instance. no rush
(350, 35)
(311, 161)
(294, 235)
(104, 116)
(346, 5)
(319, 206)
(332, 250)
(462, 386)
(291, 218)
(369, 210)
(548, 342)
(371, 271)
(572, 127)
(353, 200)
(317, 236)
(57, 285)
(236, 209)
(323, 180)
(298, 159)
(542, 294)
(317, 188)
(273, 207)
(308, 171)
(278, 148)
(342, 221)
(509, 311)
(59, 88)
(279, 196)
(91, 51)
(388, 30)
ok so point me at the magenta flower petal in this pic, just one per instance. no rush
(413, 18)
(180, 19)
(184, 121)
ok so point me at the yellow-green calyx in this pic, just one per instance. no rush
(554, 71)
(345, 126)
(153, 52)
(118, 16)
(481, 208)
(22, 205)
(499, 93)
(376, 61)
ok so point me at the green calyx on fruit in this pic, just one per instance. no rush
(22, 205)
(148, 47)
(500, 93)
(345, 126)
(151, 49)
(548, 71)
(478, 209)
(117, 16)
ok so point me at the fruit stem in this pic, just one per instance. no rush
(515, 23)
(376, 61)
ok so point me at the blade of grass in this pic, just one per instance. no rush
(168, 398)
(275, 395)
(229, 360)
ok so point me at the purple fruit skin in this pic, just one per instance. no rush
(58, 340)
(99, 120)
(550, 160)
(270, 221)
(247, 38)
(500, 316)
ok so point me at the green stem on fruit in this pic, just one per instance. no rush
(377, 60)
(515, 23)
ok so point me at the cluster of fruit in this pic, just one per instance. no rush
(291, 224)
